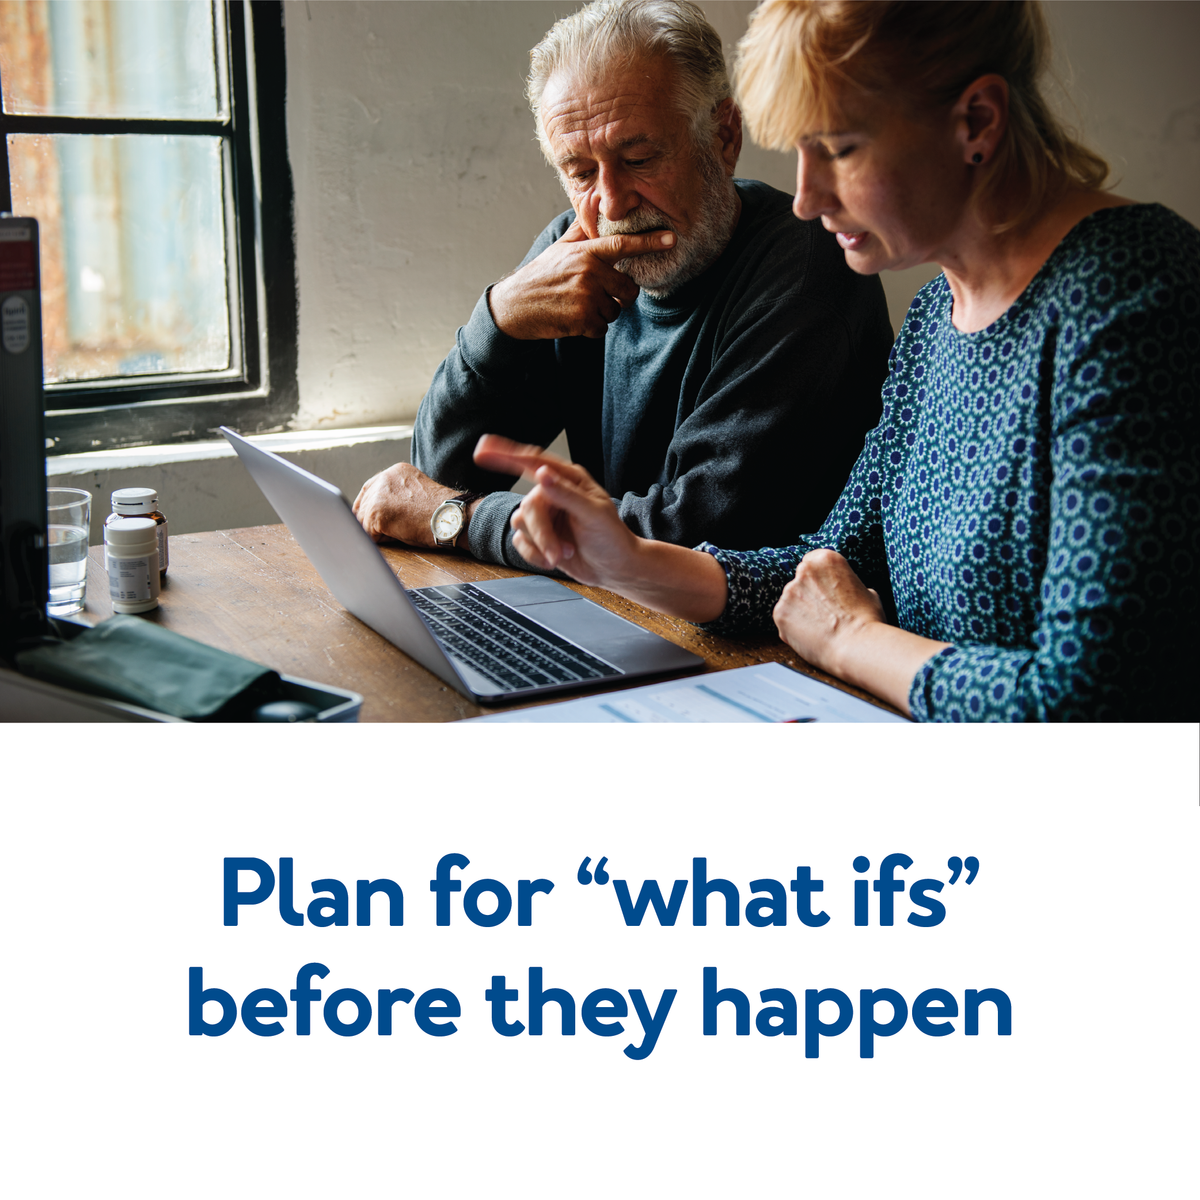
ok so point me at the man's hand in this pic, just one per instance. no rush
(572, 288)
(398, 503)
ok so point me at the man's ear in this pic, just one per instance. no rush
(729, 134)
(981, 118)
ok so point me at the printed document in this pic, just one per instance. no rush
(767, 693)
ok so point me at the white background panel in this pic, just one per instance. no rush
(1083, 911)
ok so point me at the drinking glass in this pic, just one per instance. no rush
(68, 522)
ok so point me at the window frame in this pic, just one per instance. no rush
(262, 396)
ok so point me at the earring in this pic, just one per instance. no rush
(977, 158)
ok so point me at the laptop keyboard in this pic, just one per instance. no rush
(500, 642)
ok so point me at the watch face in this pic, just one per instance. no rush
(447, 522)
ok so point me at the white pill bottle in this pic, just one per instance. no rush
(131, 554)
(142, 502)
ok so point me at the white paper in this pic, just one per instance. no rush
(763, 694)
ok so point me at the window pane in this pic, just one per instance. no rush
(152, 59)
(134, 279)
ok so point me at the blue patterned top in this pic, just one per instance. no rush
(1030, 493)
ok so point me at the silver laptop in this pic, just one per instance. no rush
(496, 640)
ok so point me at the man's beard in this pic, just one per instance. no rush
(662, 272)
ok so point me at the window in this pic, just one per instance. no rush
(149, 141)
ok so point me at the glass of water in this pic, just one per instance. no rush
(68, 521)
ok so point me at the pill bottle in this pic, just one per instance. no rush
(141, 502)
(131, 555)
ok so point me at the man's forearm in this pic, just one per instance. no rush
(399, 503)
(489, 535)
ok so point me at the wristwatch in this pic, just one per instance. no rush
(450, 518)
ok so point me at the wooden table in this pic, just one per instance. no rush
(253, 592)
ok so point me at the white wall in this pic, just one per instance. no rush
(1131, 69)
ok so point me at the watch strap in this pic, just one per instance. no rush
(460, 502)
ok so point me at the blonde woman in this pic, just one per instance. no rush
(1018, 540)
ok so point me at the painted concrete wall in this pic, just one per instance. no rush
(1130, 69)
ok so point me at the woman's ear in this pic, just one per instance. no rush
(981, 118)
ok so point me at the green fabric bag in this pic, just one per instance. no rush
(127, 658)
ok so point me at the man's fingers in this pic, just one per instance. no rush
(617, 246)
(362, 492)
(575, 233)
(610, 308)
(629, 245)
(621, 289)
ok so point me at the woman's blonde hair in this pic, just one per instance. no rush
(800, 56)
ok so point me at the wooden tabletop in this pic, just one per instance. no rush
(253, 592)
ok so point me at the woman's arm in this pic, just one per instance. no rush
(1116, 587)
(832, 620)
(569, 522)
(826, 614)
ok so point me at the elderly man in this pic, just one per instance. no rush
(712, 359)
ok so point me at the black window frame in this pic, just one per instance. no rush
(263, 397)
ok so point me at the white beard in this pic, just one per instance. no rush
(660, 273)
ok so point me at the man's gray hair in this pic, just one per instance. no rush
(611, 34)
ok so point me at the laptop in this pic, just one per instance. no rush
(494, 641)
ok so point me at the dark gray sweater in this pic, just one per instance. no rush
(727, 412)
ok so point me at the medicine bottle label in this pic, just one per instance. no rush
(129, 578)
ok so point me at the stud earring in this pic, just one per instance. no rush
(977, 158)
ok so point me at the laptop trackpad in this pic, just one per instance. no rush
(527, 589)
(618, 641)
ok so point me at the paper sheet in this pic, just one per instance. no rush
(767, 693)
